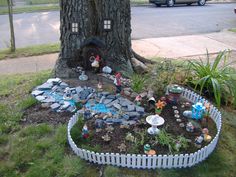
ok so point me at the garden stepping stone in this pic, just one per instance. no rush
(40, 98)
(55, 106)
(37, 93)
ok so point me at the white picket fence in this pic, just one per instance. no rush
(147, 161)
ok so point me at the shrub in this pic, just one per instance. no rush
(215, 78)
(138, 82)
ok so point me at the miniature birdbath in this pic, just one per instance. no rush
(154, 121)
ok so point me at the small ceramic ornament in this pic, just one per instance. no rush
(83, 77)
(198, 141)
(189, 127)
(117, 82)
(198, 110)
(146, 148)
(85, 132)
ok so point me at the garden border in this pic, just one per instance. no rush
(147, 161)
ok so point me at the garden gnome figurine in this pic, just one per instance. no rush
(96, 63)
(117, 82)
(85, 132)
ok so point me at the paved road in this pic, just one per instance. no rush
(147, 22)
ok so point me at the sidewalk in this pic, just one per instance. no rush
(179, 47)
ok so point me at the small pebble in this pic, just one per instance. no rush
(178, 120)
(176, 112)
(181, 125)
(182, 106)
(174, 107)
(177, 116)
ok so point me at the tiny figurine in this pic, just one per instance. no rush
(106, 138)
(117, 82)
(138, 100)
(151, 152)
(198, 141)
(67, 94)
(189, 127)
(146, 148)
(83, 76)
(85, 132)
(205, 133)
(159, 107)
(198, 111)
(122, 147)
(96, 63)
(173, 93)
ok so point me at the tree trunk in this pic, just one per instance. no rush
(90, 16)
(10, 13)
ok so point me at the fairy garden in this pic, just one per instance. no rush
(121, 115)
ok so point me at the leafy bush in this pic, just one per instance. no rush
(215, 78)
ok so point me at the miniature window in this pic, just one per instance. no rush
(107, 24)
(75, 27)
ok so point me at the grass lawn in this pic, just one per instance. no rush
(30, 51)
(233, 30)
(32, 2)
(42, 149)
(139, 1)
(3, 3)
(28, 9)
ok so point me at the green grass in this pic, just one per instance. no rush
(3, 3)
(42, 150)
(33, 2)
(30, 51)
(139, 1)
(29, 9)
(233, 30)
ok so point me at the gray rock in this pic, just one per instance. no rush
(127, 93)
(187, 114)
(125, 117)
(45, 86)
(131, 108)
(107, 101)
(63, 85)
(134, 95)
(54, 81)
(37, 92)
(112, 103)
(102, 99)
(76, 98)
(125, 102)
(113, 121)
(65, 105)
(40, 98)
(111, 97)
(130, 122)
(71, 108)
(105, 93)
(144, 94)
(133, 114)
(49, 100)
(84, 94)
(139, 109)
(99, 123)
(79, 89)
(117, 106)
(55, 106)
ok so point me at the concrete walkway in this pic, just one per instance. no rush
(168, 47)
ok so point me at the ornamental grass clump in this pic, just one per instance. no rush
(217, 79)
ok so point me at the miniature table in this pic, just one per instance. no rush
(154, 121)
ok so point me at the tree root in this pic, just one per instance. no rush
(142, 59)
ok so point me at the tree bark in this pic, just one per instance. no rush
(90, 16)
(10, 14)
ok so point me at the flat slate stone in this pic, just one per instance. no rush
(37, 92)
(40, 98)
(65, 105)
(111, 97)
(133, 114)
(131, 108)
(112, 103)
(139, 109)
(54, 81)
(79, 89)
(117, 106)
(49, 100)
(55, 106)
(45, 86)
(107, 101)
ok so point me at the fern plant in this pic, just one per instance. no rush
(217, 78)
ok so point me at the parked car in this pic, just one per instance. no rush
(171, 3)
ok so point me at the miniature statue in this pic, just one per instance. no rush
(189, 127)
(117, 82)
(85, 132)
(96, 63)
(198, 111)
(138, 100)
(205, 133)
(67, 94)
(198, 141)
(146, 148)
